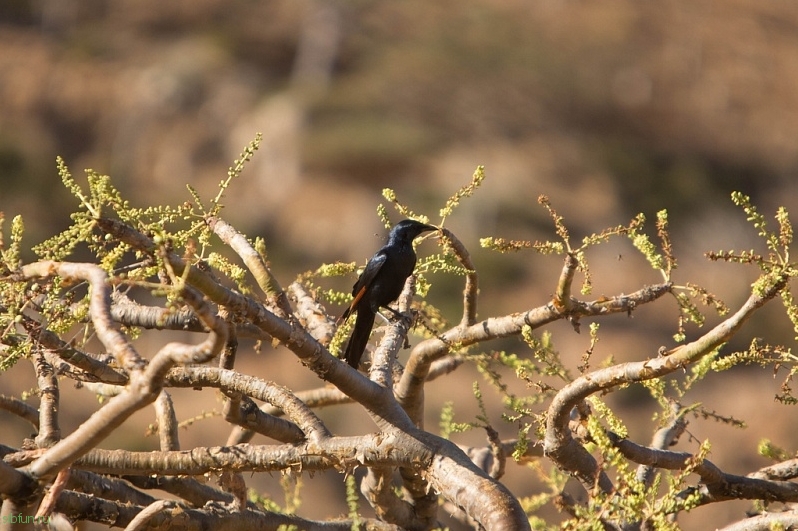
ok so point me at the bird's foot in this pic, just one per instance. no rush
(406, 318)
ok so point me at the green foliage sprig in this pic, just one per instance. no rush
(466, 191)
(564, 246)
(11, 253)
(235, 171)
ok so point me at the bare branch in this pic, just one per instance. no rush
(167, 422)
(384, 355)
(182, 517)
(130, 313)
(562, 296)
(409, 389)
(308, 423)
(378, 490)
(314, 317)
(486, 501)
(716, 484)
(765, 522)
(471, 289)
(93, 366)
(663, 439)
(19, 408)
(567, 453)
(48, 502)
(14, 483)
(144, 386)
(49, 394)
(263, 275)
(784, 471)
(107, 487)
(142, 520)
(99, 306)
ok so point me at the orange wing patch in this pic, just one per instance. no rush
(351, 308)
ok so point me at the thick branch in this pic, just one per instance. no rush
(447, 469)
(765, 522)
(14, 484)
(785, 470)
(305, 423)
(21, 409)
(314, 317)
(344, 452)
(99, 306)
(568, 454)
(179, 517)
(488, 502)
(263, 275)
(471, 289)
(410, 388)
(143, 388)
(289, 332)
(49, 393)
(378, 489)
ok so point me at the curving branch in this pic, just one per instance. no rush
(305, 424)
(99, 306)
(182, 517)
(471, 288)
(314, 317)
(144, 385)
(50, 394)
(560, 446)
(21, 409)
(254, 262)
(716, 485)
(409, 391)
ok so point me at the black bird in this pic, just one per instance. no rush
(381, 283)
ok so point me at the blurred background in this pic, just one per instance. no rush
(609, 108)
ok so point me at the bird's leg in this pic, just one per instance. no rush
(399, 315)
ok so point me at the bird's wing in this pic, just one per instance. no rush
(364, 281)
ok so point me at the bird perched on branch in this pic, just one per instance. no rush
(381, 283)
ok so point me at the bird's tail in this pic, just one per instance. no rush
(360, 336)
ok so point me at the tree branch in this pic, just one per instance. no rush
(263, 275)
(568, 454)
(49, 432)
(99, 306)
(471, 289)
(409, 389)
(144, 385)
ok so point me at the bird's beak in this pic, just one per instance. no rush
(434, 232)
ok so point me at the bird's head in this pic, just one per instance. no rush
(409, 229)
